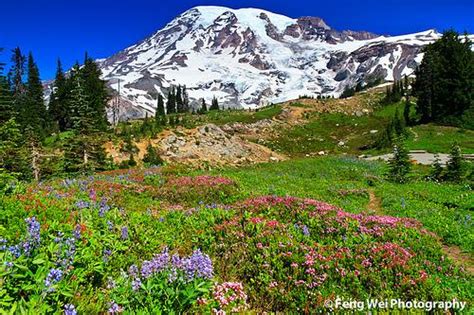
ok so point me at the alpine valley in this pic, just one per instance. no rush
(249, 58)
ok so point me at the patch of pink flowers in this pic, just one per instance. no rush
(392, 255)
(230, 295)
(287, 201)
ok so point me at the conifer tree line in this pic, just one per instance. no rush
(444, 84)
(177, 102)
(77, 103)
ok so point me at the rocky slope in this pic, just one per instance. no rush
(251, 57)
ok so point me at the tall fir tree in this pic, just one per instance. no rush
(13, 152)
(160, 107)
(95, 91)
(454, 166)
(214, 104)
(84, 152)
(58, 104)
(16, 81)
(34, 114)
(399, 164)
(444, 84)
(179, 100)
(203, 109)
(407, 111)
(171, 101)
(6, 101)
(185, 97)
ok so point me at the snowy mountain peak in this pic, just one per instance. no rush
(252, 57)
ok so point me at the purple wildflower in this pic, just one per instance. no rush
(33, 228)
(110, 225)
(103, 207)
(115, 308)
(8, 264)
(27, 247)
(92, 195)
(77, 232)
(81, 204)
(198, 265)
(107, 253)
(305, 230)
(3, 243)
(54, 276)
(124, 233)
(15, 250)
(159, 263)
(136, 284)
(111, 283)
(133, 271)
(70, 309)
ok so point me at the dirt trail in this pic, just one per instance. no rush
(375, 204)
(455, 253)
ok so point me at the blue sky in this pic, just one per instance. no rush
(68, 28)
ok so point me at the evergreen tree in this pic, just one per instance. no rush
(406, 111)
(185, 97)
(13, 153)
(171, 102)
(179, 100)
(95, 91)
(436, 169)
(214, 104)
(152, 156)
(146, 126)
(444, 84)
(84, 152)
(203, 107)
(399, 164)
(160, 107)
(58, 105)
(33, 112)
(398, 125)
(454, 167)
(6, 101)
(17, 73)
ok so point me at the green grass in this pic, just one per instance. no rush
(445, 209)
(242, 116)
(438, 139)
(324, 131)
(262, 242)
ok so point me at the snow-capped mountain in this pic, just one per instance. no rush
(251, 57)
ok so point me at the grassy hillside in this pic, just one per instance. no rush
(284, 237)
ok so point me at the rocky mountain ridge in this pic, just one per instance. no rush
(249, 58)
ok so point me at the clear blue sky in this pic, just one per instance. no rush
(68, 28)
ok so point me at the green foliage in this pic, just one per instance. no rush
(214, 104)
(444, 83)
(395, 93)
(33, 113)
(58, 108)
(454, 167)
(348, 92)
(436, 169)
(255, 242)
(14, 156)
(152, 156)
(160, 107)
(84, 153)
(95, 92)
(399, 164)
